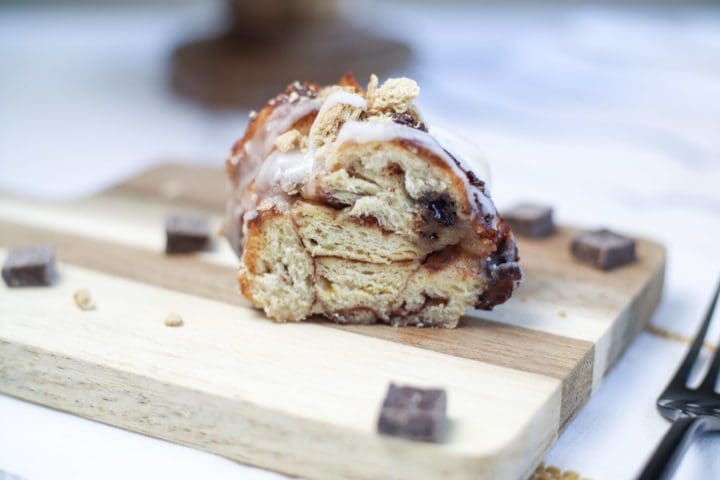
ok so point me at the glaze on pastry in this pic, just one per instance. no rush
(343, 205)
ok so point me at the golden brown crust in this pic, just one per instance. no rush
(244, 285)
(254, 241)
(303, 125)
(348, 80)
(259, 119)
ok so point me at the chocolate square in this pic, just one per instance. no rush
(414, 413)
(30, 267)
(186, 234)
(603, 249)
(530, 220)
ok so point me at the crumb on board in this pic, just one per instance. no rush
(562, 314)
(173, 320)
(171, 188)
(551, 472)
(83, 299)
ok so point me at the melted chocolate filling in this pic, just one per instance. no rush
(409, 121)
(440, 208)
(503, 273)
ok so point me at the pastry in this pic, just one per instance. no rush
(344, 205)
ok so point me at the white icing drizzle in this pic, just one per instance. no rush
(376, 131)
(278, 174)
(286, 170)
(250, 159)
(280, 202)
(342, 97)
(468, 151)
(259, 146)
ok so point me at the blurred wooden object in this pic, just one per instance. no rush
(272, 43)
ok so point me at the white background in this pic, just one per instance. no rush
(610, 114)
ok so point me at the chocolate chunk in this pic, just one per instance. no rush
(603, 249)
(30, 267)
(414, 413)
(186, 234)
(472, 178)
(409, 121)
(530, 220)
(441, 208)
(505, 278)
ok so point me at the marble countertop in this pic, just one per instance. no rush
(610, 114)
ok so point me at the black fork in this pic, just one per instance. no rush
(692, 410)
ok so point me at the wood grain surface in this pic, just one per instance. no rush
(299, 398)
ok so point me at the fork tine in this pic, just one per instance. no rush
(683, 372)
(708, 384)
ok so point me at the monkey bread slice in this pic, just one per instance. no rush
(345, 206)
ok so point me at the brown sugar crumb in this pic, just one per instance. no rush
(553, 473)
(562, 314)
(83, 299)
(173, 320)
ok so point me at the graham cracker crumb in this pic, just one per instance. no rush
(83, 299)
(288, 141)
(173, 320)
(676, 337)
(326, 126)
(372, 86)
(552, 472)
(395, 95)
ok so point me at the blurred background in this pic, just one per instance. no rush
(610, 112)
(96, 90)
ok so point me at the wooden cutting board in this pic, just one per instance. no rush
(298, 398)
